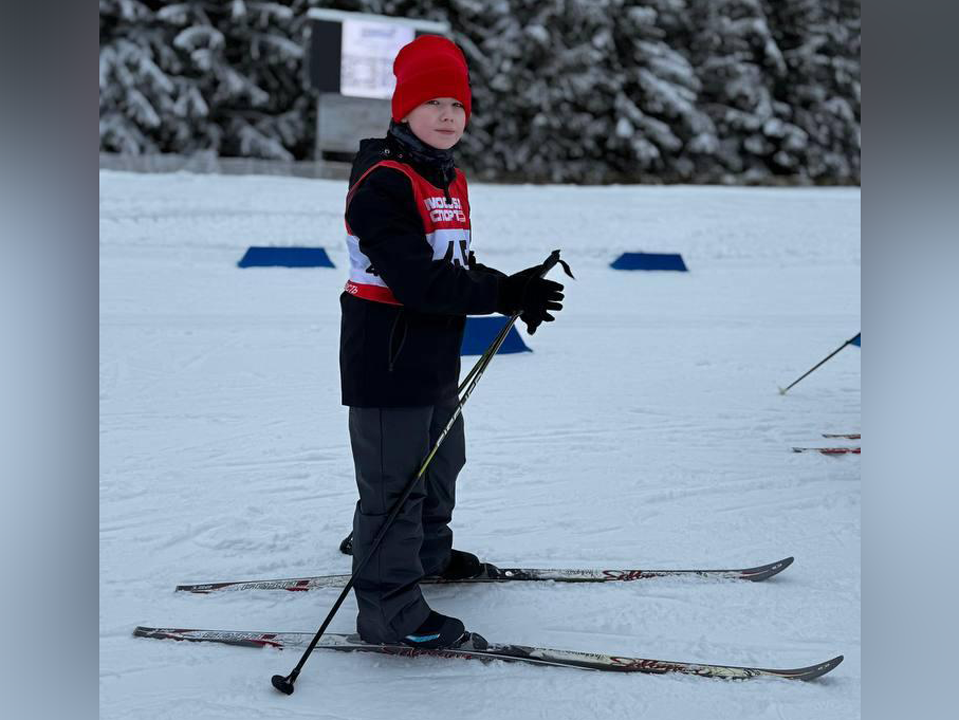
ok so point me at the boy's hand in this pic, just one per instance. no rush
(532, 296)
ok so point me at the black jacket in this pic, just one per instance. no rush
(409, 355)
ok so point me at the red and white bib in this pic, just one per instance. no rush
(446, 222)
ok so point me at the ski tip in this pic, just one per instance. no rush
(764, 572)
(816, 671)
(806, 673)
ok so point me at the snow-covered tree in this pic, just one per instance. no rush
(738, 61)
(580, 91)
(194, 75)
(820, 41)
(563, 90)
(658, 113)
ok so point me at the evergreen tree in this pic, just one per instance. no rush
(563, 90)
(187, 76)
(821, 42)
(738, 61)
(580, 91)
(137, 71)
(658, 112)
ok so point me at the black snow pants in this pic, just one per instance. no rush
(389, 446)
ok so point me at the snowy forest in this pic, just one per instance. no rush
(571, 91)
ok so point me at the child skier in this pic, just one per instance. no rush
(413, 279)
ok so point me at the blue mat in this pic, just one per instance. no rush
(285, 257)
(649, 261)
(480, 332)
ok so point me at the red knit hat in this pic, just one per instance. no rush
(429, 67)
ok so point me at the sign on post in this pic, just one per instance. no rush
(351, 65)
(366, 67)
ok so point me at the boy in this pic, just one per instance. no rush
(413, 279)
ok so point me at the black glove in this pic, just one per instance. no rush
(532, 296)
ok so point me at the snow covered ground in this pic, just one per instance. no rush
(645, 430)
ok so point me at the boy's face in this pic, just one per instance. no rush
(438, 122)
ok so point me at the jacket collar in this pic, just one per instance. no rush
(428, 160)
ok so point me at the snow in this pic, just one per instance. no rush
(645, 430)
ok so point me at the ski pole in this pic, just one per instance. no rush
(285, 683)
(783, 391)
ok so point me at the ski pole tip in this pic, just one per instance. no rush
(283, 683)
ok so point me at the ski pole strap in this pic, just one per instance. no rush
(551, 261)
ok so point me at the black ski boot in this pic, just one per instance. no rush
(463, 565)
(438, 631)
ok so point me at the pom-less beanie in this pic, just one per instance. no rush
(429, 67)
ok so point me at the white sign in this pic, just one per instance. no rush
(369, 48)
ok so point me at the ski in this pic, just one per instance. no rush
(830, 450)
(493, 574)
(845, 436)
(477, 648)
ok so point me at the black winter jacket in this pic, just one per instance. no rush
(408, 355)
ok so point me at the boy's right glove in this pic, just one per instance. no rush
(533, 297)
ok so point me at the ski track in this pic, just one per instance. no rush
(644, 431)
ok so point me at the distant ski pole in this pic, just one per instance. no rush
(850, 341)
(285, 683)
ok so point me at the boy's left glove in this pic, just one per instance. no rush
(530, 295)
